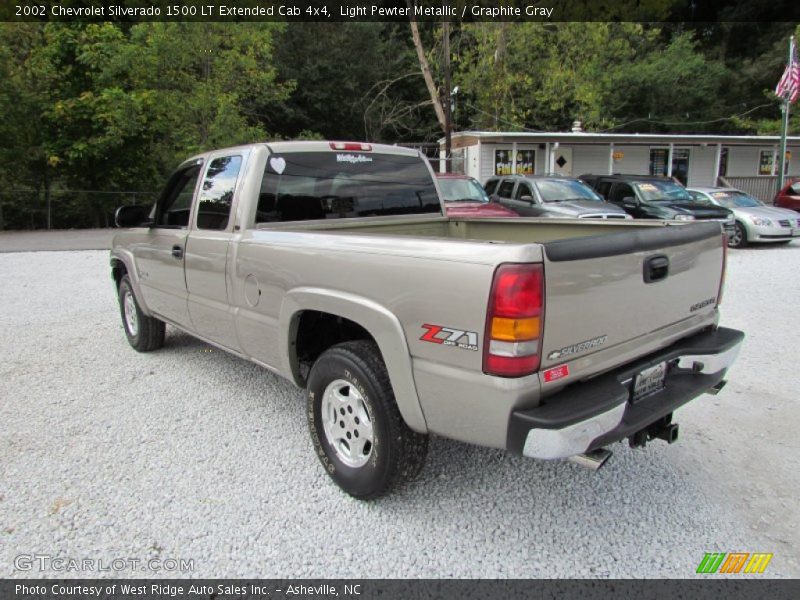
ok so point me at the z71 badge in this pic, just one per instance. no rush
(468, 340)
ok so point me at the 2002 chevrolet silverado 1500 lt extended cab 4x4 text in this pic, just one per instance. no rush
(333, 265)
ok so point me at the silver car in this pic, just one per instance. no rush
(755, 221)
(551, 196)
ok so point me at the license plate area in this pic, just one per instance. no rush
(796, 232)
(649, 381)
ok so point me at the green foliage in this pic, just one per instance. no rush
(544, 76)
(114, 107)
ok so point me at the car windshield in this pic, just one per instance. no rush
(662, 191)
(562, 190)
(735, 199)
(462, 190)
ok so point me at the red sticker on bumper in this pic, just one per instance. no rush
(558, 372)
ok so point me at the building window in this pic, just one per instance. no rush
(766, 162)
(658, 161)
(526, 159)
(502, 162)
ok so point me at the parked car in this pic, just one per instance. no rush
(464, 197)
(755, 221)
(651, 197)
(333, 265)
(550, 196)
(789, 196)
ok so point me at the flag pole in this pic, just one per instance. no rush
(784, 126)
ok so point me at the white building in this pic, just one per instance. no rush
(743, 161)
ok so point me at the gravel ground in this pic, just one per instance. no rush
(189, 453)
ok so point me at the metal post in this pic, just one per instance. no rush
(611, 159)
(782, 154)
(669, 160)
(718, 164)
(513, 158)
(785, 123)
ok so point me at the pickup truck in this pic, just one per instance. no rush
(333, 265)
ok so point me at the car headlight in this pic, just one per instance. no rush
(761, 221)
(684, 218)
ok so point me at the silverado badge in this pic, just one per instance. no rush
(577, 348)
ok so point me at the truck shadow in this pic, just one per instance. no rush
(478, 504)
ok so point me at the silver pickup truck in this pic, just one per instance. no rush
(332, 265)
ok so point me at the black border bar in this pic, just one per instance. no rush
(330, 11)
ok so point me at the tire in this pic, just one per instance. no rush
(144, 333)
(355, 425)
(739, 239)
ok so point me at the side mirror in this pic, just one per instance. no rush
(629, 202)
(134, 215)
(526, 198)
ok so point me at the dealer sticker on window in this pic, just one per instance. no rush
(649, 381)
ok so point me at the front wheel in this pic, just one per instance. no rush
(739, 237)
(355, 425)
(144, 333)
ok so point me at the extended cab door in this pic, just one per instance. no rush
(207, 250)
(160, 257)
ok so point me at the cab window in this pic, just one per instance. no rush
(523, 189)
(620, 192)
(506, 189)
(216, 194)
(175, 204)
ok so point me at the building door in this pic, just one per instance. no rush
(562, 162)
(680, 165)
(659, 158)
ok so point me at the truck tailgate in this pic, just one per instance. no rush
(605, 291)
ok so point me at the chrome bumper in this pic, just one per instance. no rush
(591, 414)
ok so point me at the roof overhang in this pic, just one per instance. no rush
(468, 138)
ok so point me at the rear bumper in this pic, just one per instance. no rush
(589, 415)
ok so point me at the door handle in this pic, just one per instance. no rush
(655, 268)
(177, 251)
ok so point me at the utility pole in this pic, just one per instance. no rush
(448, 125)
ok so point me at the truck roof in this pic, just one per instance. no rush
(315, 146)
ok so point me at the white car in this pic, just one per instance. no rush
(755, 221)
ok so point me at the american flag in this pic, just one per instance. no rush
(790, 82)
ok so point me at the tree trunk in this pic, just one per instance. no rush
(426, 73)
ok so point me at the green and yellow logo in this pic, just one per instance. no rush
(734, 562)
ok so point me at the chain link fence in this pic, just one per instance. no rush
(65, 209)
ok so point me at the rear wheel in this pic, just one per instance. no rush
(144, 333)
(355, 425)
(739, 237)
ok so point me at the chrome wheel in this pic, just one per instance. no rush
(129, 306)
(347, 423)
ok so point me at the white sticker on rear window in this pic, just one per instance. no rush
(278, 164)
(720, 195)
(647, 187)
(353, 158)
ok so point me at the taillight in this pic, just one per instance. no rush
(513, 337)
(357, 146)
(724, 267)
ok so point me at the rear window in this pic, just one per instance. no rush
(301, 186)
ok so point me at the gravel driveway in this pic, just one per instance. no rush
(189, 453)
